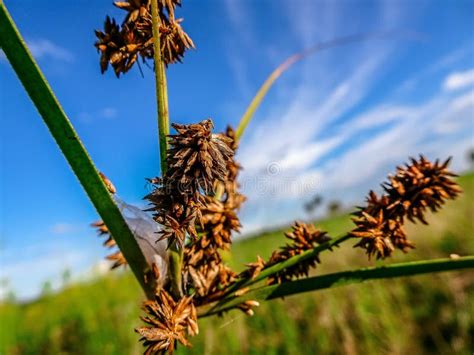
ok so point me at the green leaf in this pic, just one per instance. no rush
(346, 278)
(68, 141)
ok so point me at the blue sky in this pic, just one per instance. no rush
(335, 124)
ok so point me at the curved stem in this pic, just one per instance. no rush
(268, 83)
(346, 278)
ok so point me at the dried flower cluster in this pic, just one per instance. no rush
(303, 237)
(204, 269)
(121, 46)
(186, 202)
(196, 160)
(410, 193)
(169, 321)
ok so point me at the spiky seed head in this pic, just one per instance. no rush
(169, 321)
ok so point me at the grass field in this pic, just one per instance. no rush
(431, 314)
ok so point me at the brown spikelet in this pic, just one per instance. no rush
(253, 269)
(420, 186)
(247, 307)
(219, 220)
(117, 258)
(168, 322)
(121, 46)
(118, 46)
(197, 157)
(414, 189)
(208, 278)
(110, 187)
(377, 231)
(303, 237)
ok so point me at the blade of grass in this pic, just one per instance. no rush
(346, 278)
(68, 141)
(268, 83)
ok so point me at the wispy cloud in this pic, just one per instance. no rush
(44, 48)
(459, 80)
(363, 145)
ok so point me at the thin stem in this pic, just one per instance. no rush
(161, 89)
(71, 146)
(341, 41)
(286, 264)
(163, 132)
(346, 278)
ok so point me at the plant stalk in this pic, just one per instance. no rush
(70, 144)
(283, 265)
(346, 278)
(176, 255)
(161, 89)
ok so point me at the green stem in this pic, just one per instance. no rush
(71, 146)
(271, 270)
(163, 132)
(161, 89)
(346, 278)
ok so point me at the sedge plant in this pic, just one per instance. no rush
(196, 198)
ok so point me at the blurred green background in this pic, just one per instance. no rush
(430, 314)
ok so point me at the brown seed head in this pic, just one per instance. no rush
(303, 237)
(197, 158)
(420, 186)
(168, 322)
(414, 189)
(122, 45)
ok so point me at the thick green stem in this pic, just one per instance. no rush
(346, 278)
(163, 132)
(71, 146)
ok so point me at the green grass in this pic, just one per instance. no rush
(430, 314)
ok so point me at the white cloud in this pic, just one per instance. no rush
(464, 101)
(44, 48)
(459, 80)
